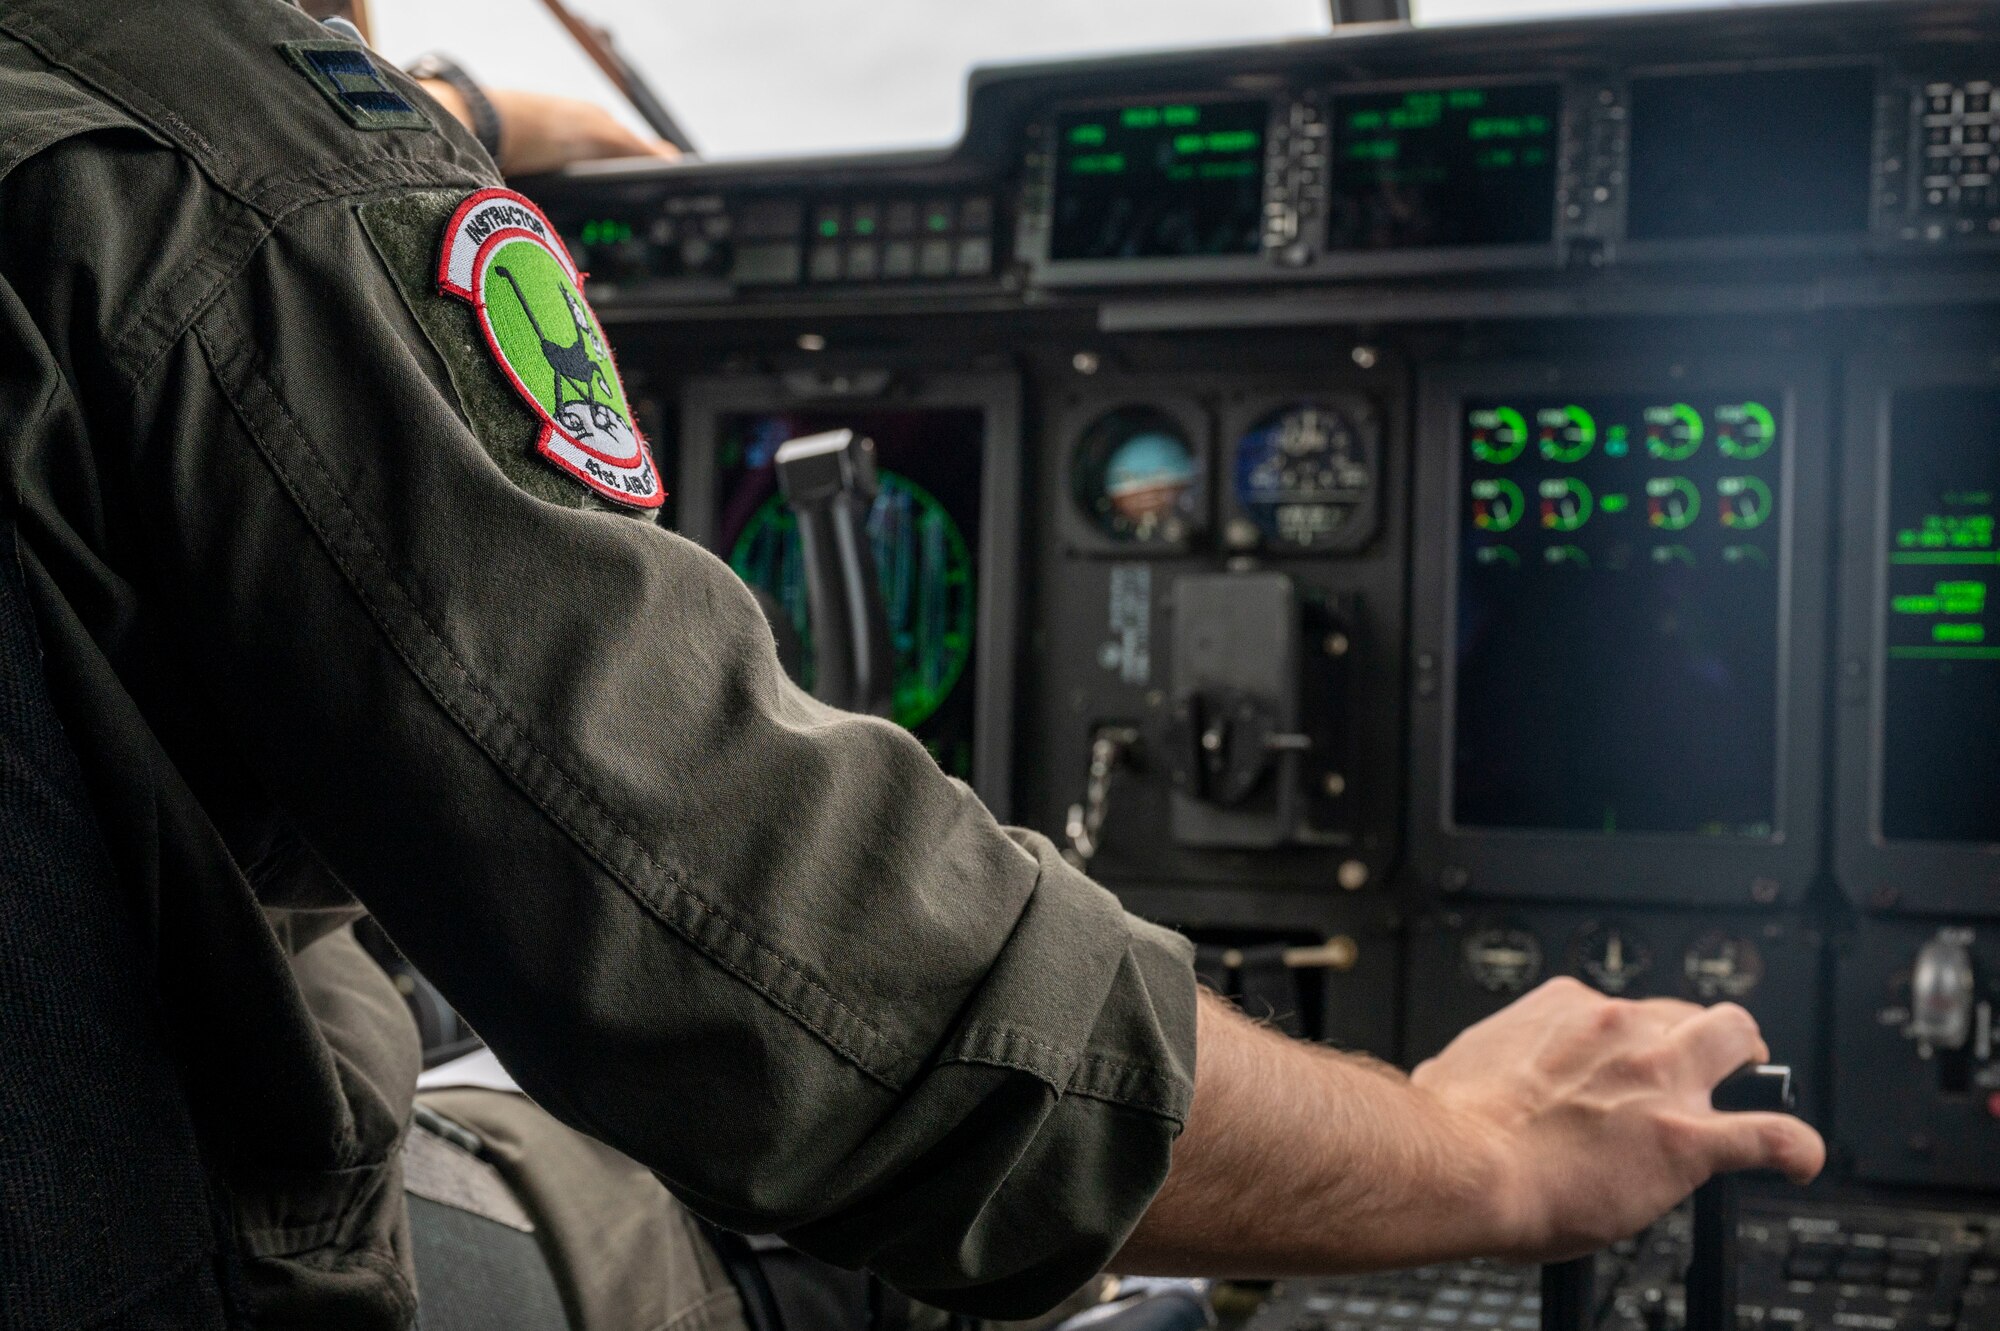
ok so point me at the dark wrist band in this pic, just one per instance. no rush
(485, 119)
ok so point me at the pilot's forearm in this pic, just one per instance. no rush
(1298, 1159)
(1563, 1123)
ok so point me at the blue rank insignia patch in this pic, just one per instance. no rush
(349, 78)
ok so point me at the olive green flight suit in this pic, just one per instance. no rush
(329, 635)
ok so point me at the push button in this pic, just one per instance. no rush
(899, 259)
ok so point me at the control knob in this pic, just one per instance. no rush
(1941, 991)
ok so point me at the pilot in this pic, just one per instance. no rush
(340, 614)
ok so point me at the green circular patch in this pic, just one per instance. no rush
(546, 335)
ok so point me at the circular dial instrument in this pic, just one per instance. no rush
(1139, 478)
(1566, 503)
(1672, 503)
(1567, 433)
(1719, 966)
(1503, 960)
(1497, 504)
(1745, 431)
(1498, 435)
(1674, 434)
(1609, 957)
(1746, 502)
(1304, 478)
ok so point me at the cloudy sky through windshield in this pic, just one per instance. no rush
(758, 78)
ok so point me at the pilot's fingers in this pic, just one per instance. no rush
(1723, 1143)
(1671, 1011)
(1716, 1041)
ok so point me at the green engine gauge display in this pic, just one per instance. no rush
(1497, 504)
(1746, 502)
(1674, 433)
(1672, 503)
(1566, 503)
(1745, 431)
(1623, 551)
(1498, 435)
(1567, 433)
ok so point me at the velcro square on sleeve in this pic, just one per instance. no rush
(349, 78)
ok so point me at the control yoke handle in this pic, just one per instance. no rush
(1569, 1296)
(829, 481)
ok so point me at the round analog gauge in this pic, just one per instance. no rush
(1745, 430)
(1672, 503)
(1497, 504)
(1139, 478)
(1722, 966)
(1303, 476)
(1746, 502)
(1567, 433)
(1501, 960)
(1609, 957)
(1566, 503)
(1498, 435)
(1674, 434)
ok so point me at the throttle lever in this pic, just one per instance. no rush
(830, 482)
(1711, 1277)
(1569, 1294)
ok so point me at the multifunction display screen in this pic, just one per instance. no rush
(1160, 180)
(1618, 593)
(1445, 167)
(1941, 681)
(1752, 153)
(925, 526)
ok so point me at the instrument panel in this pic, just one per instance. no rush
(1613, 635)
(1427, 511)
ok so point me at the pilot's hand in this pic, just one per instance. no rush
(1594, 1112)
(539, 132)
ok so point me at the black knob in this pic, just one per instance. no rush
(1756, 1088)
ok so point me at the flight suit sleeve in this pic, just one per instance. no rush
(766, 948)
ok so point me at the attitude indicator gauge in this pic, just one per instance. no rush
(1566, 503)
(1503, 960)
(1746, 502)
(1609, 958)
(1745, 431)
(1672, 503)
(1722, 966)
(1497, 504)
(1674, 433)
(1498, 435)
(1305, 478)
(1139, 478)
(1567, 433)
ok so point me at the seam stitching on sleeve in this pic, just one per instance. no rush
(187, 299)
(517, 733)
(1080, 1060)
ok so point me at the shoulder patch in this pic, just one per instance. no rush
(348, 77)
(501, 256)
